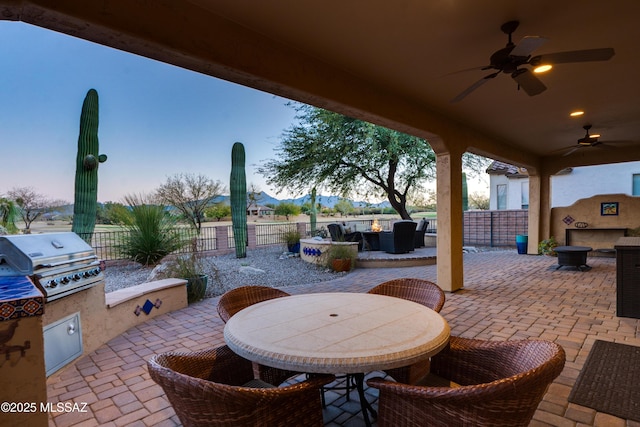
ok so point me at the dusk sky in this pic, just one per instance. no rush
(156, 120)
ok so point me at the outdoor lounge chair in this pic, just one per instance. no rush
(417, 290)
(338, 234)
(217, 388)
(401, 240)
(488, 383)
(420, 230)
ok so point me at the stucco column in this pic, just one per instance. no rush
(539, 210)
(534, 214)
(450, 223)
(545, 205)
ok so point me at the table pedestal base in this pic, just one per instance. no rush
(364, 403)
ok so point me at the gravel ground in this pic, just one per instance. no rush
(266, 266)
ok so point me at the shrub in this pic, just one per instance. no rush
(547, 246)
(151, 235)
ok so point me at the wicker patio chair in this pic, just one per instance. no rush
(216, 388)
(417, 290)
(497, 384)
(236, 299)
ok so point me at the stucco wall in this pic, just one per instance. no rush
(587, 181)
(566, 189)
(588, 211)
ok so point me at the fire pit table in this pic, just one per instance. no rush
(573, 256)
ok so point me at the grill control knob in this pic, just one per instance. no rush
(76, 277)
(51, 283)
(65, 280)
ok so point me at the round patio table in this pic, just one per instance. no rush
(336, 332)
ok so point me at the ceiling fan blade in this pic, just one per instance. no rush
(474, 86)
(587, 55)
(527, 45)
(612, 144)
(483, 67)
(528, 82)
(572, 150)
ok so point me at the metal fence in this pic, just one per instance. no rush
(108, 244)
(481, 228)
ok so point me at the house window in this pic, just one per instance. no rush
(635, 191)
(502, 196)
(524, 190)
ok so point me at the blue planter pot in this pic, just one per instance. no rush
(522, 242)
(294, 248)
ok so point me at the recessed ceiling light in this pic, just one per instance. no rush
(576, 113)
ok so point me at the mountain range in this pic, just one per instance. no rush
(263, 200)
(328, 201)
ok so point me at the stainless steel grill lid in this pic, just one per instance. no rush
(28, 253)
(59, 263)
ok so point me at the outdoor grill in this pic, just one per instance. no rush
(60, 264)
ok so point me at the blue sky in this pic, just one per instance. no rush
(156, 120)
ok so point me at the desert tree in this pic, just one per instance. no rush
(218, 211)
(344, 207)
(31, 204)
(479, 201)
(253, 196)
(347, 156)
(190, 194)
(287, 209)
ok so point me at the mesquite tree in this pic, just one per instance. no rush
(347, 156)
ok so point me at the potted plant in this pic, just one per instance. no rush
(341, 257)
(191, 269)
(547, 246)
(292, 239)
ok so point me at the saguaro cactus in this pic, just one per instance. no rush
(465, 195)
(313, 213)
(238, 198)
(86, 185)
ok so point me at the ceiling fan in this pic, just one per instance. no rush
(589, 140)
(508, 60)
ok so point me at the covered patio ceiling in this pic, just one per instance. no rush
(395, 63)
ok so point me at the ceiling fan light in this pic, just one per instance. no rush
(576, 113)
(542, 68)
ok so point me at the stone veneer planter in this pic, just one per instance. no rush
(314, 251)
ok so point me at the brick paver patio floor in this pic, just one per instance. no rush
(506, 296)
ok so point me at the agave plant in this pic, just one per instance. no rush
(152, 235)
